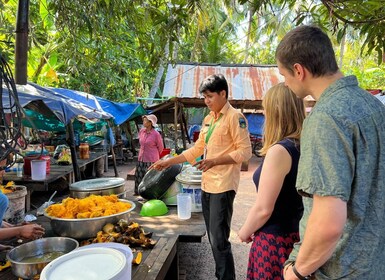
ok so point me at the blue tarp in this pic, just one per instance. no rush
(121, 112)
(65, 109)
(67, 104)
(255, 122)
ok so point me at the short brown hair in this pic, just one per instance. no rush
(310, 47)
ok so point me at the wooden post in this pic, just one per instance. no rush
(176, 108)
(21, 48)
(71, 143)
(112, 152)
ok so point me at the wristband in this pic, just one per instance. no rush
(300, 277)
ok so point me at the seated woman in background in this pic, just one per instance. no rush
(272, 223)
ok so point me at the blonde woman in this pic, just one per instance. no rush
(272, 222)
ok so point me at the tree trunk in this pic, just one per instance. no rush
(159, 74)
(342, 51)
(251, 14)
(21, 48)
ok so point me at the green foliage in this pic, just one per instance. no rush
(114, 48)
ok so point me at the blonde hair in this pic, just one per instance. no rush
(284, 115)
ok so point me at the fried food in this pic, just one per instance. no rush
(89, 207)
(8, 188)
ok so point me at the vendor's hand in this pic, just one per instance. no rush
(205, 164)
(243, 237)
(160, 164)
(31, 231)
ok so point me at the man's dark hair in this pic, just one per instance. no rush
(310, 47)
(214, 83)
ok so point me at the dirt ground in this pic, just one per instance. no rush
(195, 259)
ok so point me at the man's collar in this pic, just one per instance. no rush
(223, 111)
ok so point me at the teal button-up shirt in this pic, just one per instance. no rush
(343, 155)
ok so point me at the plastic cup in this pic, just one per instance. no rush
(38, 169)
(20, 169)
(184, 206)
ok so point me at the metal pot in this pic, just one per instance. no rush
(100, 186)
(155, 183)
(86, 228)
(27, 270)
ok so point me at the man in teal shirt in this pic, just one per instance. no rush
(341, 173)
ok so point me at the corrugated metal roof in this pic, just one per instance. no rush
(246, 82)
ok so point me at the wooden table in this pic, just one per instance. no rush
(191, 230)
(158, 263)
(56, 172)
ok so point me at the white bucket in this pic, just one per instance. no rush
(190, 179)
(38, 169)
(16, 208)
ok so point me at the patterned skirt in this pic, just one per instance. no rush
(267, 255)
(140, 171)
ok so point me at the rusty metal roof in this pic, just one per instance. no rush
(246, 82)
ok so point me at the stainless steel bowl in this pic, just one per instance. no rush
(27, 270)
(86, 228)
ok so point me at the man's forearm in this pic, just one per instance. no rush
(323, 230)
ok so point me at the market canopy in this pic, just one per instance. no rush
(49, 103)
(52, 108)
(121, 112)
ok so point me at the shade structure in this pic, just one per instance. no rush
(121, 112)
(47, 102)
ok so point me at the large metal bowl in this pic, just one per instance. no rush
(86, 228)
(27, 270)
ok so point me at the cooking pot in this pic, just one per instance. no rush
(100, 186)
(29, 259)
(190, 180)
(155, 183)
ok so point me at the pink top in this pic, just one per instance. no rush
(151, 145)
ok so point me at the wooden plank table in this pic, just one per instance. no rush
(158, 263)
(191, 230)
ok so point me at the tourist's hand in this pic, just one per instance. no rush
(244, 237)
(288, 273)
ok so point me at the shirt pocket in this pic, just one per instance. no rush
(222, 136)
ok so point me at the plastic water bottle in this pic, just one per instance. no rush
(19, 171)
